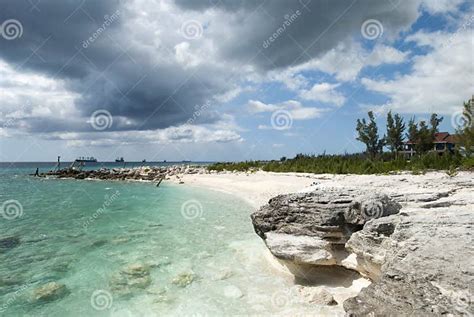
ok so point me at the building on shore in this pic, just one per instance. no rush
(443, 142)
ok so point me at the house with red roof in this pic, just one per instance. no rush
(443, 142)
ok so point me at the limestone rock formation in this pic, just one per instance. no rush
(424, 264)
(313, 228)
(418, 258)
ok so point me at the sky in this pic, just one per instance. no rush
(223, 80)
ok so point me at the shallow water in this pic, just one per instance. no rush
(83, 234)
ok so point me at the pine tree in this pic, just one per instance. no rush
(412, 134)
(368, 134)
(425, 138)
(465, 130)
(435, 121)
(395, 130)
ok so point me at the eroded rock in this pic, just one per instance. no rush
(419, 260)
(313, 228)
(424, 263)
(50, 292)
(323, 297)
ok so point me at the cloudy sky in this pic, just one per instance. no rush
(222, 79)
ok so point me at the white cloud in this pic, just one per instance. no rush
(296, 110)
(181, 134)
(255, 106)
(344, 62)
(26, 95)
(324, 92)
(439, 81)
(441, 6)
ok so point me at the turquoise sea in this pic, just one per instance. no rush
(130, 249)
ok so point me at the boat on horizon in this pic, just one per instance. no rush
(83, 159)
(119, 160)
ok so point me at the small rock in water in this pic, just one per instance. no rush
(136, 269)
(98, 243)
(7, 243)
(222, 275)
(133, 276)
(184, 279)
(50, 292)
(9, 281)
(323, 298)
(120, 240)
(233, 292)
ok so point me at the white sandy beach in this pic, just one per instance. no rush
(257, 188)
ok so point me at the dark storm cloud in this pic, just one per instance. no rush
(108, 73)
(320, 26)
(120, 71)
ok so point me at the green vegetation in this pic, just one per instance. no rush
(375, 160)
(351, 164)
(369, 135)
(465, 130)
(395, 130)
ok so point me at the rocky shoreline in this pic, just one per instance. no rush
(412, 239)
(151, 174)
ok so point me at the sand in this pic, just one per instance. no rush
(255, 188)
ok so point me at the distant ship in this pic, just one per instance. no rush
(86, 159)
(119, 160)
(144, 161)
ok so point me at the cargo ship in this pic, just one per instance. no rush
(86, 159)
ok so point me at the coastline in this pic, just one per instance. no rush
(423, 198)
(255, 188)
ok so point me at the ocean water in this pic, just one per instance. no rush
(187, 251)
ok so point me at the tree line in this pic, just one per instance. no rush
(421, 134)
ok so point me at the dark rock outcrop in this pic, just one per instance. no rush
(9, 242)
